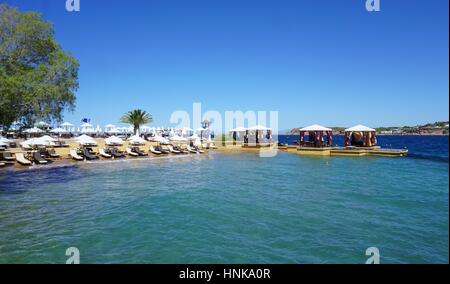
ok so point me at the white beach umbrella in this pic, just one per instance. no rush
(194, 137)
(86, 125)
(85, 140)
(58, 131)
(145, 129)
(160, 139)
(67, 124)
(48, 138)
(5, 140)
(137, 140)
(114, 140)
(34, 142)
(43, 124)
(33, 130)
(113, 131)
(177, 138)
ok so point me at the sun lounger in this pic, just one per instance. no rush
(104, 154)
(198, 149)
(75, 156)
(26, 147)
(162, 149)
(2, 165)
(52, 153)
(131, 153)
(116, 154)
(20, 158)
(183, 151)
(154, 151)
(38, 158)
(191, 150)
(172, 150)
(88, 155)
(139, 152)
(6, 156)
(60, 144)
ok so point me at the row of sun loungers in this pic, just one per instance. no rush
(43, 156)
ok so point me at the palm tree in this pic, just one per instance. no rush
(137, 118)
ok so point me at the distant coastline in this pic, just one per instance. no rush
(435, 128)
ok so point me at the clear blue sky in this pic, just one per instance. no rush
(329, 62)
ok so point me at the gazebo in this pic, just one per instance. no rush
(316, 136)
(258, 132)
(360, 136)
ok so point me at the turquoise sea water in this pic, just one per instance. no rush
(228, 208)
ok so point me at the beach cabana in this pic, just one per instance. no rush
(360, 136)
(257, 130)
(316, 136)
(236, 133)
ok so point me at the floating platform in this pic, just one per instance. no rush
(325, 151)
(369, 151)
(257, 146)
(351, 151)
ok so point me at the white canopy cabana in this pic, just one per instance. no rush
(360, 128)
(360, 135)
(113, 140)
(315, 127)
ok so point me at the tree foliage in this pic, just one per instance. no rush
(38, 79)
(137, 118)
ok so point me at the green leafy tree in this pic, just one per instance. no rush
(137, 118)
(38, 79)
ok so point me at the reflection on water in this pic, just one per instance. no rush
(227, 208)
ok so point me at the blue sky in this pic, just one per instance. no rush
(327, 62)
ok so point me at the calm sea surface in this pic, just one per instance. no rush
(233, 208)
